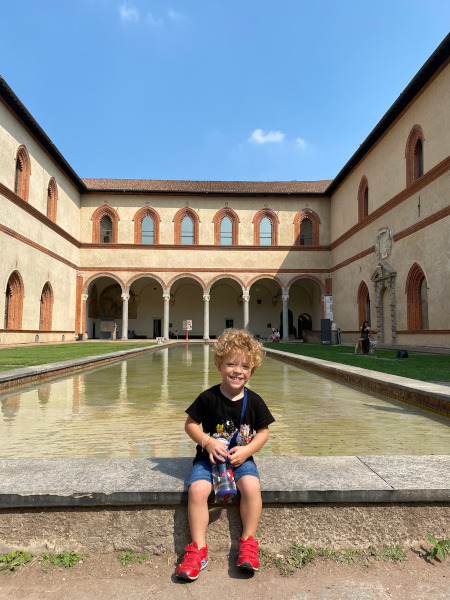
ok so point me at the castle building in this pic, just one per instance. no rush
(105, 258)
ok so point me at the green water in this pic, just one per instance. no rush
(136, 408)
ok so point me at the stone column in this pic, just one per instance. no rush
(125, 297)
(246, 300)
(285, 298)
(166, 316)
(84, 298)
(206, 298)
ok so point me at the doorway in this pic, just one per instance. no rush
(157, 328)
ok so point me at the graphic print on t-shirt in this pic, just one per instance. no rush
(227, 429)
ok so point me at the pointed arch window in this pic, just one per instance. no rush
(146, 226)
(105, 222)
(265, 224)
(45, 321)
(52, 199)
(14, 302)
(363, 304)
(23, 172)
(306, 228)
(226, 224)
(414, 155)
(417, 299)
(363, 198)
(186, 226)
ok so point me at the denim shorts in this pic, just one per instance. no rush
(202, 470)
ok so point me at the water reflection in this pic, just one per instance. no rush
(137, 408)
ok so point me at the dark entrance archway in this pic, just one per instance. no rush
(304, 324)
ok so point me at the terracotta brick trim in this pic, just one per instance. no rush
(232, 215)
(146, 211)
(413, 301)
(15, 291)
(363, 198)
(265, 275)
(97, 216)
(414, 188)
(46, 307)
(23, 172)
(362, 299)
(306, 213)
(275, 221)
(52, 199)
(306, 274)
(186, 211)
(415, 136)
(12, 197)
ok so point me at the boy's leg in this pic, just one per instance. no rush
(198, 510)
(251, 504)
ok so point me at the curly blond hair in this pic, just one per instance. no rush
(239, 341)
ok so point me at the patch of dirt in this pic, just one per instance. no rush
(103, 577)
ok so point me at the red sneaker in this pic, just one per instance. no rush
(194, 560)
(248, 554)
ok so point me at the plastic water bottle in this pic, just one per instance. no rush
(223, 478)
(223, 481)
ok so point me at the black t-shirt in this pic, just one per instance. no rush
(220, 417)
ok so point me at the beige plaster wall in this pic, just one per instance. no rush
(12, 135)
(385, 165)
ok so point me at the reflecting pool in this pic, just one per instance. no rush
(136, 408)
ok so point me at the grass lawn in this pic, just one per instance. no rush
(16, 358)
(425, 367)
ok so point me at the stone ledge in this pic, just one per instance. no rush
(124, 482)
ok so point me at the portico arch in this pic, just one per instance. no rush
(104, 304)
(305, 298)
(266, 301)
(226, 304)
(185, 296)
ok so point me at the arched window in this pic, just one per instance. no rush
(416, 299)
(14, 301)
(363, 198)
(186, 226)
(147, 230)
(187, 231)
(105, 230)
(23, 172)
(52, 199)
(414, 155)
(45, 321)
(105, 222)
(363, 304)
(226, 224)
(146, 226)
(306, 228)
(265, 227)
(306, 237)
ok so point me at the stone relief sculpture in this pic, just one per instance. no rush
(384, 242)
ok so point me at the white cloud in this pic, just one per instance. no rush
(154, 20)
(129, 13)
(259, 137)
(300, 143)
(175, 15)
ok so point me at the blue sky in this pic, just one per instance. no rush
(213, 89)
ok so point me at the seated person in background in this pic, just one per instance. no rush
(363, 342)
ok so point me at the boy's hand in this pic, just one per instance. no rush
(217, 451)
(238, 455)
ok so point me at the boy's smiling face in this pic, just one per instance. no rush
(235, 370)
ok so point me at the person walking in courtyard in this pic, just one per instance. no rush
(224, 415)
(363, 342)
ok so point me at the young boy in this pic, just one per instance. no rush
(237, 355)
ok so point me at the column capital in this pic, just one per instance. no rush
(206, 297)
(285, 297)
(125, 297)
(84, 297)
(166, 297)
(246, 296)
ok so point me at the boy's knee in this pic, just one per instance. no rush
(249, 485)
(199, 490)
